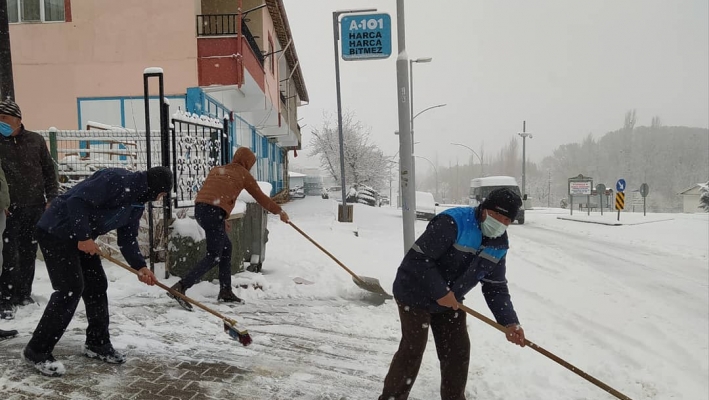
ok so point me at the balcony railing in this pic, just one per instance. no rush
(225, 24)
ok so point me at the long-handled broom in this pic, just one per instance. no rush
(548, 354)
(229, 324)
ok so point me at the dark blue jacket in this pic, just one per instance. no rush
(452, 254)
(109, 199)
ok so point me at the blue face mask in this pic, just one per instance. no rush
(5, 129)
(492, 228)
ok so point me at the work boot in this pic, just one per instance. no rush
(104, 353)
(7, 334)
(7, 311)
(226, 295)
(44, 363)
(178, 287)
(24, 301)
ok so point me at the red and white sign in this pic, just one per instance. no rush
(582, 188)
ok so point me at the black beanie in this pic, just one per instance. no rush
(159, 181)
(503, 201)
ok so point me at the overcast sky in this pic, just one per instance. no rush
(568, 68)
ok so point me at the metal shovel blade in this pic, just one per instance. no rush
(371, 285)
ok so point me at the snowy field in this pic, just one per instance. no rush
(628, 304)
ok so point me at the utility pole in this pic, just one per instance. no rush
(7, 85)
(524, 135)
(406, 172)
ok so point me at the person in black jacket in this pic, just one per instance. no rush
(460, 248)
(33, 184)
(4, 204)
(112, 198)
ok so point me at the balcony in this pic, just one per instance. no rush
(225, 25)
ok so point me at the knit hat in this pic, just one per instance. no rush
(503, 201)
(159, 181)
(9, 107)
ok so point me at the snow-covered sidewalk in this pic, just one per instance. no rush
(627, 304)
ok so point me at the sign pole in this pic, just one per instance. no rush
(600, 202)
(336, 37)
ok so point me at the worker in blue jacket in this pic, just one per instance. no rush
(112, 198)
(459, 248)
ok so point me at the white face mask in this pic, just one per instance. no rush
(492, 228)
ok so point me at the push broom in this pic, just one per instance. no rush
(548, 354)
(229, 324)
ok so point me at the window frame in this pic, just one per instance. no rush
(42, 13)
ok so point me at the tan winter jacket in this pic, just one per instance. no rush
(224, 184)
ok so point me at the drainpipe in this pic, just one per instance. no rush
(7, 86)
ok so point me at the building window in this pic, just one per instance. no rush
(36, 10)
(271, 49)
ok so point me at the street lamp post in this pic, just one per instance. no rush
(434, 169)
(411, 87)
(524, 135)
(336, 38)
(482, 167)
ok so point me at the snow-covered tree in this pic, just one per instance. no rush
(704, 196)
(365, 163)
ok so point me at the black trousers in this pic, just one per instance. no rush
(211, 219)
(75, 275)
(19, 253)
(452, 345)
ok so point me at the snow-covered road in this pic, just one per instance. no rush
(627, 304)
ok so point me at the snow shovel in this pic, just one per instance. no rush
(229, 324)
(548, 354)
(369, 284)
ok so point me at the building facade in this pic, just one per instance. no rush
(79, 61)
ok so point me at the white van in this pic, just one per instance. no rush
(425, 206)
(481, 187)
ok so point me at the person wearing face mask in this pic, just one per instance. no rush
(213, 206)
(460, 248)
(33, 184)
(112, 198)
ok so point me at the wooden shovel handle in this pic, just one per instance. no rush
(548, 354)
(355, 276)
(170, 290)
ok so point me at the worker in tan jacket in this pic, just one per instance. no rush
(213, 205)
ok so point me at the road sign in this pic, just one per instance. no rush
(619, 201)
(620, 185)
(580, 188)
(638, 199)
(644, 189)
(365, 36)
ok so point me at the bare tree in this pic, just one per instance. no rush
(365, 163)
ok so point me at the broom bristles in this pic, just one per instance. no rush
(242, 336)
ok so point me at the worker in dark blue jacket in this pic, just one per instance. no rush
(110, 199)
(460, 247)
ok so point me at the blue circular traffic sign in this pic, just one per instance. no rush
(620, 185)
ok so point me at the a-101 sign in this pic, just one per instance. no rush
(366, 36)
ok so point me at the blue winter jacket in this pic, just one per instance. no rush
(113, 198)
(452, 254)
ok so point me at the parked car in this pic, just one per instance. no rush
(383, 201)
(297, 192)
(425, 206)
(334, 192)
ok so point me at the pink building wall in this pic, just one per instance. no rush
(102, 52)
